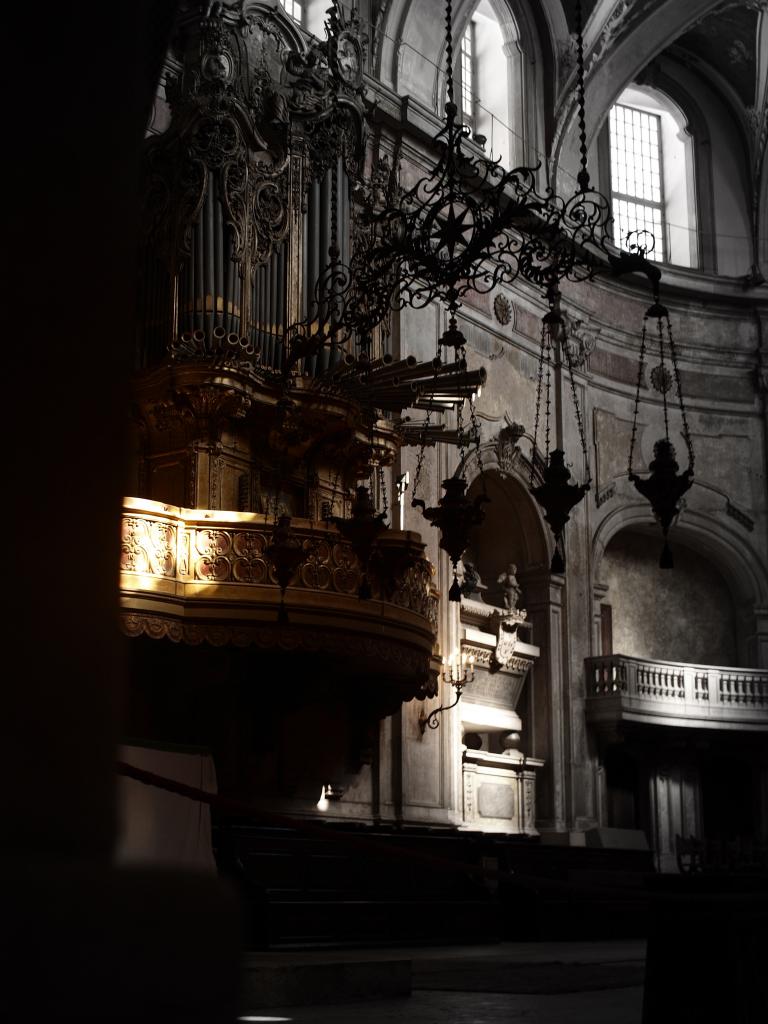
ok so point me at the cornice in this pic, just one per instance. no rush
(414, 126)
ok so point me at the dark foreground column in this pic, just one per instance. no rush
(707, 950)
(81, 940)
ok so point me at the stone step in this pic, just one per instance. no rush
(280, 979)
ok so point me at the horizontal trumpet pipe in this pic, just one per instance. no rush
(394, 368)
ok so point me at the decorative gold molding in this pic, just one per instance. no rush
(195, 576)
(404, 660)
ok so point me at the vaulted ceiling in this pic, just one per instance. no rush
(726, 42)
(717, 39)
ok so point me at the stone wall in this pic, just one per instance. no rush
(686, 614)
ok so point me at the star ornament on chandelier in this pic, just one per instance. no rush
(454, 233)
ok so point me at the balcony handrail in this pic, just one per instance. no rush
(654, 683)
(736, 670)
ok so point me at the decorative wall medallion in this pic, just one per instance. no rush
(661, 379)
(347, 46)
(502, 309)
(349, 60)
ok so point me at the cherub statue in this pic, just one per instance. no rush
(510, 586)
(469, 580)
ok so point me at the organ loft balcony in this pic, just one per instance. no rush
(196, 576)
(623, 690)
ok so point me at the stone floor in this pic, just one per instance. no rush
(538, 983)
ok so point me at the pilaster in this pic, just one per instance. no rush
(544, 601)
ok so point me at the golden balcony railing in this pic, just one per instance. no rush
(196, 575)
(675, 693)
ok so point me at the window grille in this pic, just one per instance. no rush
(466, 74)
(636, 182)
(293, 8)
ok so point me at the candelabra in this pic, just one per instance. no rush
(458, 670)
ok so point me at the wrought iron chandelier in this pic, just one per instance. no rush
(469, 225)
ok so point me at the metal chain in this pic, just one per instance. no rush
(420, 457)
(583, 175)
(449, 48)
(686, 431)
(333, 249)
(475, 430)
(547, 393)
(460, 433)
(423, 440)
(640, 368)
(660, 329)
(539, 380)
(577, 408)
(383, 490)
(373, 466)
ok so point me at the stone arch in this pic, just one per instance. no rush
(411, 57)
(732, 556)
(616, 51)
(544, 700)
(505, 464)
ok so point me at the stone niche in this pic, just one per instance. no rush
(498, 779)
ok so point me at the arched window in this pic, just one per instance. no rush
(294, 9)
(484, 78)
(310, 14)
(652, 174)
(467, 75)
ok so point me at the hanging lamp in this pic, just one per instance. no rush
(556, 496)
(362, 529)
(665, 485)
(455, 514)
(285, 552)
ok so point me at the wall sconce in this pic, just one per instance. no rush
(458, 670)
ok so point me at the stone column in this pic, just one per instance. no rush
(599, 593)
(757, 640)
(89, 942)
(544, 601)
